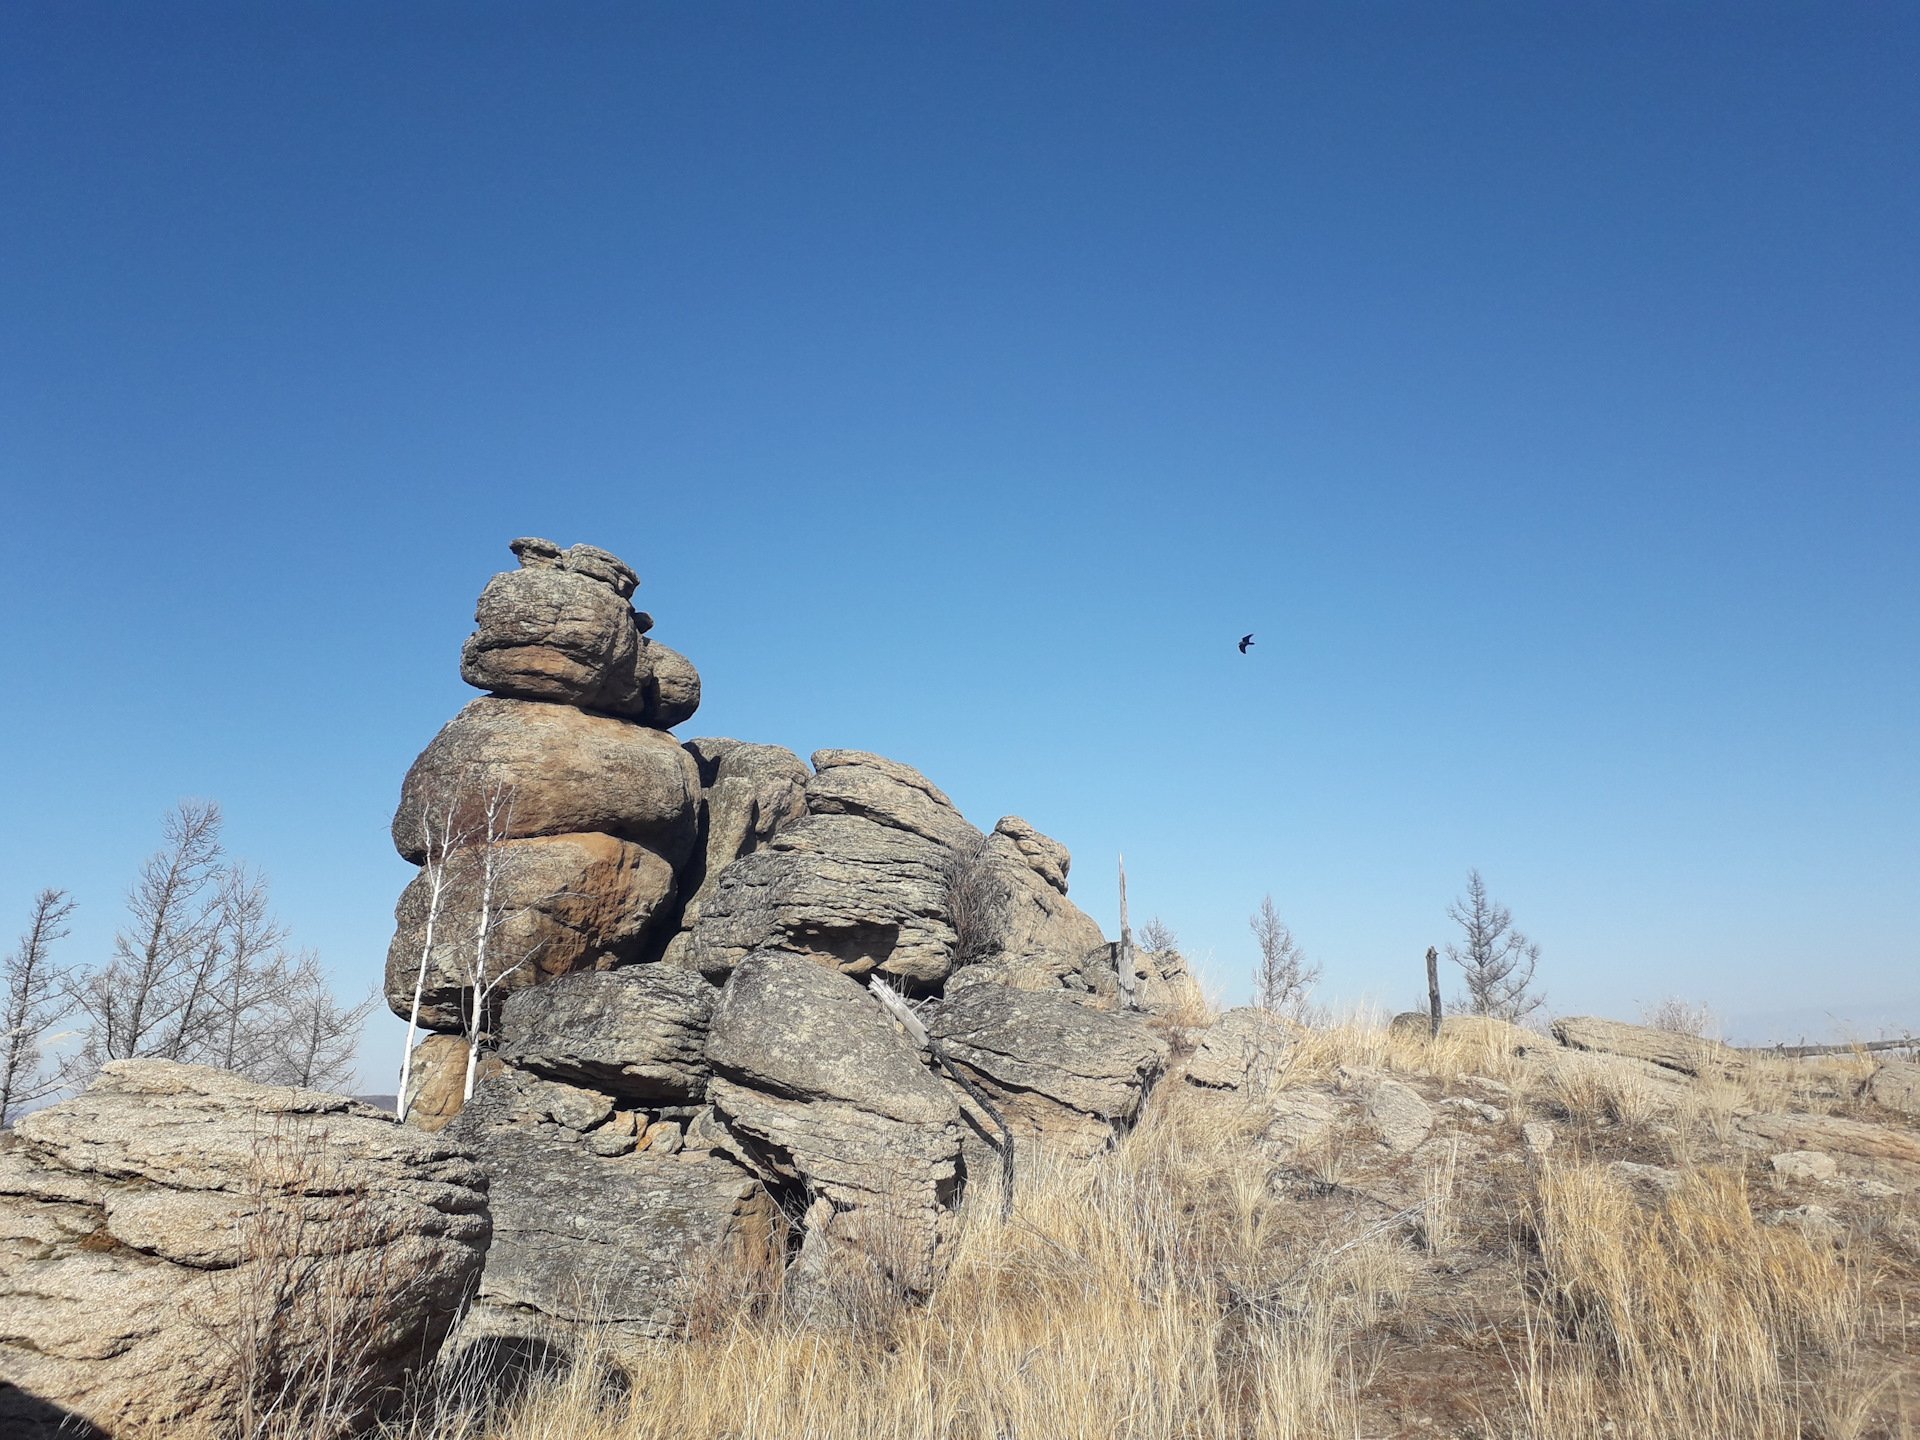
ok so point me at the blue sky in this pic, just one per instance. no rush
(1538, 383)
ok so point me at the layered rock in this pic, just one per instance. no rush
(597, 1228)
(639, 1035)
(176, 1236)
(1061, 1073)
(860, 883)
(824, 1094)
(1688, 1054)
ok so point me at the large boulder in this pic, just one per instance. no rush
(437, 1081)
(552, 634)
(561, 904)
(638, 1034)
(749, 794)
(1059, 1071)
(1245, 1051)
(177, 1239)
(595, 1232)
(836, 889)
(1896, 1085)
(1671, 1050)
(669, 685)
(891, 795)
(824, 1095)
(561, 770)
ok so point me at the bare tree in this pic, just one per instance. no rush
(133, 1004)
(1680, 1017)
(317, 1036)
(1497, 959)
(254, 979)
(1156, 935)
(1282, 978)
(35, 998)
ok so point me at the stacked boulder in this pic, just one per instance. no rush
(686, 1079)
(550, 818)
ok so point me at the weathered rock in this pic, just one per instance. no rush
(559, 635)
(436, 1088)
(1896, 1085)
(1496, 1036)
(1061, 1072)
(568, 771)
(1395, 1111)
(1042, 854)
(1688, 1054)
(153, 1229)
(818, 1088)
(590, 560)
(1814, 1165)
(591, 1234)
(892, 795)
(564, 903)
(749, 794)
(1538, 1136)
(669, 684)
(1874, 1152)
(639, 1034)
(1243, 1050)
(839, 889)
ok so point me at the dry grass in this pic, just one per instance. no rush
(1181, 1288)
(1689, 1318)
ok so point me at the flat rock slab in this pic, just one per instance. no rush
(1062, 1073)
(1687, 1054)
(1874, 1152)
(152, 1228)
(639, 1034)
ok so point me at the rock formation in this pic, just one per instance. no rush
(178, 1237)
(681, 1072)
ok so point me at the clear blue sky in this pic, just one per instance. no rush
(1540, 384)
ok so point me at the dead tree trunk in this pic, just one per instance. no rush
(1123, 951)
(1433, 989)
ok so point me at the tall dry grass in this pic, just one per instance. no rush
(1168, 1292)
(1688, 1318)
(1153, 1295)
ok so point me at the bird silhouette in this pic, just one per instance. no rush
(1245, 641)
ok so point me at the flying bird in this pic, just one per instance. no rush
(1245, 641)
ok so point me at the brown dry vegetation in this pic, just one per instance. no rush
(1202, 1283)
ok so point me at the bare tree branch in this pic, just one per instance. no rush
(35, 998)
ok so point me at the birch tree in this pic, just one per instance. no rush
(439, 838)
(34, 999)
